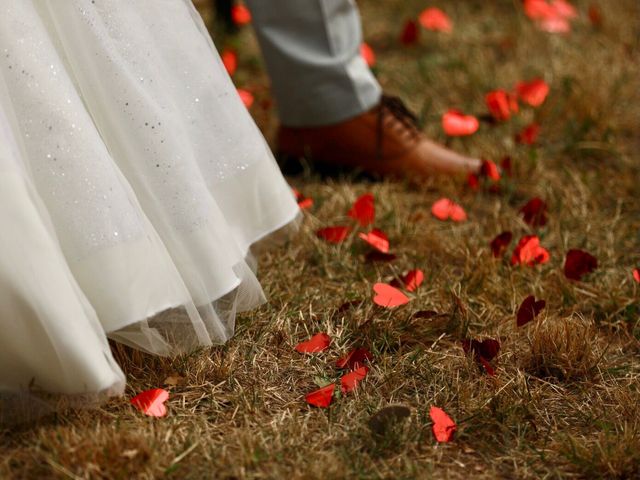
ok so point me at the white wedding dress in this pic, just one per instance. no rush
(133, 183)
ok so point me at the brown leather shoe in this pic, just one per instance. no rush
(384, 141)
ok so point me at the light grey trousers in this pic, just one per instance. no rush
(312, 52)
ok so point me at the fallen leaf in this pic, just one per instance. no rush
(230, 61)
(410, 33)
(535, 212)
(368, 54)
(457, 124)
(445, 209)
(529, 134)
(413, 279)
(436, 20)
(388, 417)
(529, 309)
(151, 402)
(443, 427)
(500, 243)
(636, 274)
(349, 381)
(246, 96)
(529, 252)
(364, 210)
(240, 15)
(354, 359)
(318, 343)
(335, 235)
(377, 239)
(388, 296)
(579, 263)
(533, 92)
(322, 397)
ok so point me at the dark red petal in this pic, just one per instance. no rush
(579, 263)
(500, 243)
(322, 397)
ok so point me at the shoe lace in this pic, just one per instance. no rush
(396, 108)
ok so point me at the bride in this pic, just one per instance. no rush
(133, 183)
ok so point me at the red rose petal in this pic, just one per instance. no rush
(368, 54)
(595, 15)
(349, 381)
(377, 239)
(538, 9)
(488, 368)
(564, 9)
(151, 402)
(529, 252)
(443, 427)
(533, 92)
(535, 212)
(555, 25)
(551, 17)
(230, 61)
(500, 243)
(636, 274)
(499, 104)
(490, 170)
(322, 397)
(436, 20)
(410, 33)
(413, 279)
(506, 166)
(487, 348)
(473, 181)
(354, 359)
(457, 124)
(529, 309)
(445, 209)
(246, 96)
(334, 234)
(364, 210)
(529, 134)
(240, 15)
(303, 202)
(579, 263)
(318, 343)
(388, 296)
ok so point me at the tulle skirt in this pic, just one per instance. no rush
(133, 184)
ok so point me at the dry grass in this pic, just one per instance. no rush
(565, 401)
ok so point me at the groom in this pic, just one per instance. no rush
(332, 110)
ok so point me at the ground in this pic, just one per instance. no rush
(565, 399)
